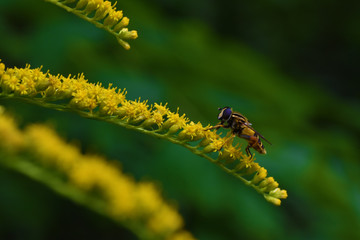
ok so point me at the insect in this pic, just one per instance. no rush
(241, 127)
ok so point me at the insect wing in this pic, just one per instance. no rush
(259, 134)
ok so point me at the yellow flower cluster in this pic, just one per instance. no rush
(111, 105)
(269, 187)
(103, 14)
(126, 200)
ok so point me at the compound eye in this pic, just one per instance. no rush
(225, 114)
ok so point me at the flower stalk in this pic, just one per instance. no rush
(103, 15)
(110, 105)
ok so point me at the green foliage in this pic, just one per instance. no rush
(315, 134)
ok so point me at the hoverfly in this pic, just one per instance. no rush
(241, 127)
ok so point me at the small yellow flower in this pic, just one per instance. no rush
(260, 175)
(134, 111)
(209, 136)
(230, 153)
(214, 146)
(112, 18)
(247, 160)
(10, 81)
(279, 193)
(161, 109)
(103, 9)
(126, 34)
(268, 184)
(175, 122)
(273, 200)
(122, 24)
(192, 132)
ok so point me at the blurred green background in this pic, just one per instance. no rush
(290, 66)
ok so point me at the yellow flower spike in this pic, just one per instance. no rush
(110, 105)
(105, 16)
(91, 181)
(260, 175)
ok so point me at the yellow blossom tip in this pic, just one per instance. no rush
(104, 15)
(260, 175)
(273, 200)
(279, 193)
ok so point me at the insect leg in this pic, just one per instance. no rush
(247, 150)
(217, 126)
